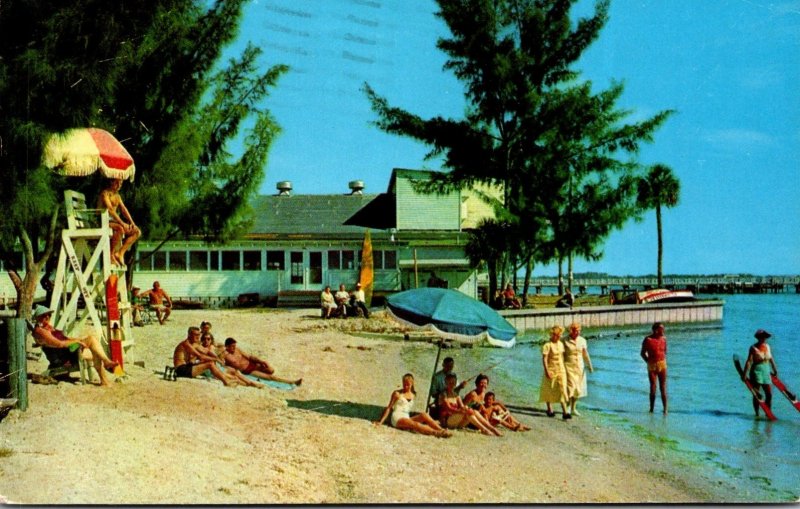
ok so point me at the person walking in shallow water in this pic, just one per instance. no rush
(759, 362)
(576, 357)
(553, 388)
(654, 353)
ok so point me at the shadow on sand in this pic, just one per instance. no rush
(526, 410)
(340, 408)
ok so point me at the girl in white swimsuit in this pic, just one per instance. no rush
(400, 407)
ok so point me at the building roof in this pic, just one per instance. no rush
(380, 213)
(307, 214)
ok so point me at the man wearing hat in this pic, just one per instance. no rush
(357, 300)
(61, 349)
(759, 362)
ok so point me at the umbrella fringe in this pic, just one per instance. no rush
(461, 338)
(79, 166)
(75, 153)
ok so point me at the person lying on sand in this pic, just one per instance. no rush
(400, 405)
(189, 362)
(251, 365)
(206, 346)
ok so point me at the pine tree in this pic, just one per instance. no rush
(562, 152)
(147, 72)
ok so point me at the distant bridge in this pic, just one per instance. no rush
(698, 284)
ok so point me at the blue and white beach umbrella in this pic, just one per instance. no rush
(452, 315)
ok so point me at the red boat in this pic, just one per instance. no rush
(659, 295)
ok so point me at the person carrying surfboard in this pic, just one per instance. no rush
(757, 369)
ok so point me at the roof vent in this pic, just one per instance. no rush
(284, 188)
(356, 186)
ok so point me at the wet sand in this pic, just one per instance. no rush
(147, 440)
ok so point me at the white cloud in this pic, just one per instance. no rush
(741, 138)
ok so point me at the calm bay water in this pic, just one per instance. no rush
(710, 412)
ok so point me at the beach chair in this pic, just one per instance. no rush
(57, 367)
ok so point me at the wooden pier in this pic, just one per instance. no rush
(617, 315)
(729, 284)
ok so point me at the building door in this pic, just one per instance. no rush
(315, 267)
(296, 270)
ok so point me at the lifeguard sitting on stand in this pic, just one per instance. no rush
(110, 200)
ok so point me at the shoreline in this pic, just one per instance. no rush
(152, 441)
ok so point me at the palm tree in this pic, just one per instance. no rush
(659, 187)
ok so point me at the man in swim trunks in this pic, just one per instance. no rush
(438, 384)
(157, 296)
(251, 365)
(654, 353)
(110, 200)
(190, 362)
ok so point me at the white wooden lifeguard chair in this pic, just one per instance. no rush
(83, 270)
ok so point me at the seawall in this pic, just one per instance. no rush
(617, 315)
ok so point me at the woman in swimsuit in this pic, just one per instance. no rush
(400, 405)
(759, 358)
(49, 337)
(454, 414)
(474, 398)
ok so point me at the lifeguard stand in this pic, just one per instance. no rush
(84, 273)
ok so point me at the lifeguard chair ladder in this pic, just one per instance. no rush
(84, 269)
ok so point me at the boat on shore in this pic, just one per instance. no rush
(660, 295)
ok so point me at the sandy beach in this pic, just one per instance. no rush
(147, 440)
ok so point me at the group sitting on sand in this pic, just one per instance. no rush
(198, 355)
(479, 410)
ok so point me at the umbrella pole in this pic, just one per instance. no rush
(436, 363)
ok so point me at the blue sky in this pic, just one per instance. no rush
(730, 69)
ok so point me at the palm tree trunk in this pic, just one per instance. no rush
(660, 247)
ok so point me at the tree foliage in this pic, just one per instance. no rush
(149, 73)
(562, 151)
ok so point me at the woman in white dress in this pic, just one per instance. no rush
(400, 405)
(553, 388)
(576, 357)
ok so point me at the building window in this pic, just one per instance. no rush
(334, 260)
(198, 260)
(348, 260)
(275, 260)
(159, 260)
(389, 260)
(230, 260)
(296, 261)
(177, 260)
(213, 260)
(252, 260)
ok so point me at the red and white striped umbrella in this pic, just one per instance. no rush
(80, 152)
